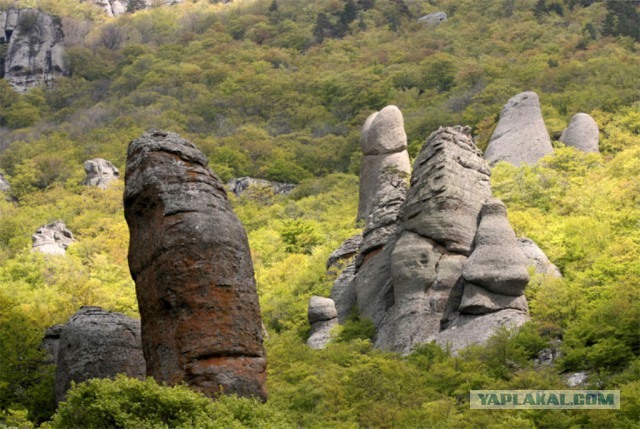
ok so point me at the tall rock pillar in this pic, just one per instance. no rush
(189, 257)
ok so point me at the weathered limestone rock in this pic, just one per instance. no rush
(95, 343)
(449, 185)
(496, 263)
(477, 300)
(34, 54)
(439, 262)
(582, 133)
(467, 330)
(100, 173)
(241, 184)
(434, 18)
(521, 136)
(347, 250)
(322, 316)
(52, 239)
(537, 258)
(384, 145)
(4, 185)
(51, 342)
(119, 7)
(343, 292)
(190, 259)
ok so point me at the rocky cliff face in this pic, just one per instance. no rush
(439, 260)
(189, 257)
(94, 343)
(32, 46)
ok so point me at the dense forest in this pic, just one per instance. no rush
(279, 90)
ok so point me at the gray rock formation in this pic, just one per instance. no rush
(118, 7)
(34, 53)
(239, 185)
(443, 263)
(52, 239)
(537, 258)
(189, 257)
(497, 264)
(577, 379)
(434, 18)
(4, 185)
(384, 146)
(100, 173)
(322, 317)
(51, 342)
(95, 343)
(582, 133)
(345, 252)
(521, 136)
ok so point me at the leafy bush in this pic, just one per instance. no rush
(131, 403)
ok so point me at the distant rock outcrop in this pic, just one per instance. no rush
(582, 133)
(537, 258)
(384, 146)
(322, 316)
(521, 135)
(439, 261)
(95, 343)
(52, 239)
(189, 256)
(239, 185)
(4, 185)
(100, 173)
(34, 52)
(51, 342)
(434, 18)
(119, 7)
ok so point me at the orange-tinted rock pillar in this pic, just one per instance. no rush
(189, 257)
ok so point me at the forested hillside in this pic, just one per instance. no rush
(280, 90)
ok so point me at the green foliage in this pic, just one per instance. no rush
(130, 403)
(299, 236)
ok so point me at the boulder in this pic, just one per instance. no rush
(467, 329)
(34, 54)
(521, 136)
(189, 257)
(496, 263)
(100, 173)
(384, 148)
(240, 185)
(95, 343)
(449, 185)
(434, 18)
(582, 133)
(537, 258)
(322, 318)
(477, 300)
(52, 239)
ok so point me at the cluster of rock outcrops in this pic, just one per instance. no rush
(522, 138)
(34, 54)
(100, 173)
(438, 260)
(189, 257)
(52, 239)
(239, 185)
(94, 343)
